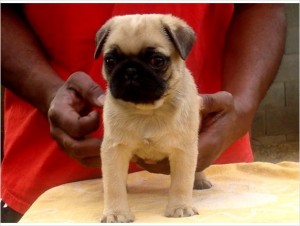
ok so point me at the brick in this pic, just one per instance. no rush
(289, 68)
(292, 40)
(258, 125)
(292, 137)
(292, 94)
(275, 97)
(282, 121)
(292, 15)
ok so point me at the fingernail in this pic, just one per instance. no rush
(101, 99)
(200, 99)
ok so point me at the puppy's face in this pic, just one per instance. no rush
(138, 78)
(143, 55)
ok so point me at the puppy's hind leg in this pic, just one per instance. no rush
(201, 181)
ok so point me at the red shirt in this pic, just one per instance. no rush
(32, 160)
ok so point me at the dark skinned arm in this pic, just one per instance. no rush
(66, 104)
(253, 52)
(24, 67)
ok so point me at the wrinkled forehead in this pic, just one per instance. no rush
(133, 34)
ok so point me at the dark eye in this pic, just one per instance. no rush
(157, 61)
(110, 62)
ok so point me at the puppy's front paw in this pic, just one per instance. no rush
(185, 211)
(202, 184)
(117, 218)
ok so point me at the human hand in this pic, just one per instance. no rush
(72, 118)
(223, 122)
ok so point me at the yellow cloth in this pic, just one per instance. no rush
(256, 192)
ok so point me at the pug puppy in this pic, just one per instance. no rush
(151, 109)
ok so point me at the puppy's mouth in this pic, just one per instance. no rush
(135, 82)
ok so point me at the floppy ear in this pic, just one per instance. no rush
(101, 36)
(183, 38)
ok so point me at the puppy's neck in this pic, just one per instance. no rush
(148, 107)
(162, 105)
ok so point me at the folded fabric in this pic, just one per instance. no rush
(256, 192)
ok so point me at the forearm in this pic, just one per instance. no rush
(25, 70)
(253, 53)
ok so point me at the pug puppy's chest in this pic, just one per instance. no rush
(153, 144)
(148, 135)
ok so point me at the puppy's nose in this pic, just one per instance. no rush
(131, 73)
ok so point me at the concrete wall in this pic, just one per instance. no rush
(275, 131)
